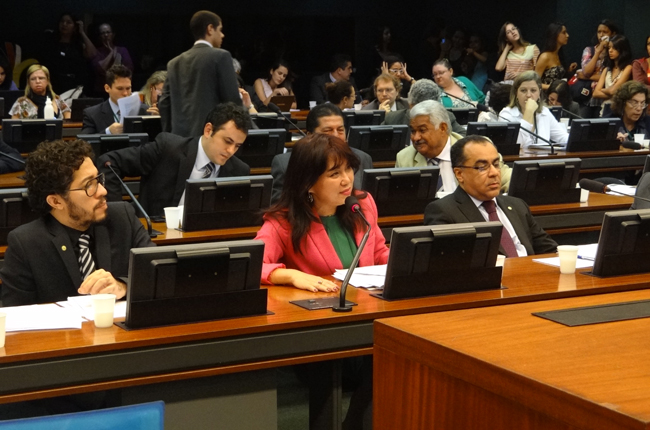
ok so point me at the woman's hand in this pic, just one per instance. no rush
(280, 92)
(621, 136)
(573, 67)
(384, 67)
(405, 76)
(153, 110)
(313, 283)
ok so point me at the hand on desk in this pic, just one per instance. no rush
(116, 128)
(102, 282)
(302, 280)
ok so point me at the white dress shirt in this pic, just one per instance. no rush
(199, 166)
(521, 249)
(449, 183)
(547, 127)
(115, 108)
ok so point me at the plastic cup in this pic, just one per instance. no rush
(3, 319)
(358, 106)
(103, 309)
(646, 143)
(568, 257)
(584, 195)
(501, 259)
(312, 104)
(172, 217)
(639, 138)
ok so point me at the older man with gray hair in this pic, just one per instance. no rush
(424, 89)
(432, 139)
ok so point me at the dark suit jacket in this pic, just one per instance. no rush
(281, 161)
(374, 105)
(98, 117)
(401, 116)
(197, 81)
(642, 190)
(7, 165)
(317, 91)
(164, 165)
(41, 265)
(459, 208)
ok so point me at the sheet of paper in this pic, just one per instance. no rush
(129, 106)
(555, 261)
(83, 306)
(40, 317)
(365, 277)
(625, 189)
(587, 252)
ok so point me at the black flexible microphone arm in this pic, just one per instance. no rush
(277, 110)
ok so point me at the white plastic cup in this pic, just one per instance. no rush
(172, 217)
(358, 106)
(501, 260)
(639, 138)
(312, 104)
(3, 320)
(646, 143)
(584, 195)
(568, 258)
(103, 309)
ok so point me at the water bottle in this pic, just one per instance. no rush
(48, 111)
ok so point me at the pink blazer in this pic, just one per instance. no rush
(318, 256)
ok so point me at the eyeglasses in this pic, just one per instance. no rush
(435, 75)
(91, 186)
(636, 104)
(484, 167)
(396, 70)
(512, 31)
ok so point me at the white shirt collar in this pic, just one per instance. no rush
(445, 154)
(205, 42)
(201, 157)
(114, 106)
(478, 202)
(332, 78)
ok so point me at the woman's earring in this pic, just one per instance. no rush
(310, 198)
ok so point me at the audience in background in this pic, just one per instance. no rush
(499, 99)
(387, 88)
(551, 64)
(340, 70)
(278, 83)
(39, 88)
(559, 94)
(525, 108)
(341, 94)
(617, 71)
(640, 68)
(455, 88)
(453, 50)
(629, 103)
(152, 90)
(516, 55)
(397, 67)
(474, 65)
(6, 75)
(107, 56)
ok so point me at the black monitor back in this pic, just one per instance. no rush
(26, 134)
(226, 202)
(269, 120)
(261, 146)
(149, 124)
(103, 143)
(556, 111)
(594, 135)
(443, 259)
(14, 211)
(363, 117)
(79, 105)
(10, 97)
(401, 190)
(464, 115)
(624, 244)
(381, 142)
(542, 182)
(504, 135)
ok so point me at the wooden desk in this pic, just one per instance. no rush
(153, 361)
(503, 368)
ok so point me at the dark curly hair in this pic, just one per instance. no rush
(225, 112)
(625, 92)
(50, 169)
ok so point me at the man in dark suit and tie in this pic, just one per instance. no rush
(198, 79)
(165, 164)
(340, 69)
(80, 244)
(476, 164)
(327, 119)
(104, 118)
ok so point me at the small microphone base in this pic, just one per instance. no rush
(323, 303)
(155, 233)
(346, 308)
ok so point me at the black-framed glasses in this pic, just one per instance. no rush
(91, 186)
(483, 168)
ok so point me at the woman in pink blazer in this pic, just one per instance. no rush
(308, 233)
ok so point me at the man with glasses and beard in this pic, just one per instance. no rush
(80, 244)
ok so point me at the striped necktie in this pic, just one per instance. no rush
(86, 263)
(207, 170)
(436, 162)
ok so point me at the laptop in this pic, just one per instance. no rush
(79, 105)
(283, 102)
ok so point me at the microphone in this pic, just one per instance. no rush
(277, 110)
(11, 157)
(631, 145)
(531, 133)
(352, 204)
(152, 232)
(477, 105)
(599, 187)
(571, 113)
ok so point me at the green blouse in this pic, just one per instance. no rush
(341, 239)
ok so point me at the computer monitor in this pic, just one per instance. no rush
(363, 117)
(624, 244)
(261, 146)
(14, 211)
(80, 105)
(26, 134)
(198, 282)
(504, 135)
(103, 143)
(268, 120)
(594, 135)
(381, 142)
(226, 202)
(543, 182)
(443, 259)
(150, 124)
(556, 111)
(10, 97)
(401, 190)
(464, 115)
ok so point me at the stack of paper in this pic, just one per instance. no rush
(83, 306)
(586, 257)
(40, 317)
(365, 277)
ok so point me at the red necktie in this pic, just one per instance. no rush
(506, 241)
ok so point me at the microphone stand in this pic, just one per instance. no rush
(11, 157)
(277, 110)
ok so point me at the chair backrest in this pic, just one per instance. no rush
(146, 416)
